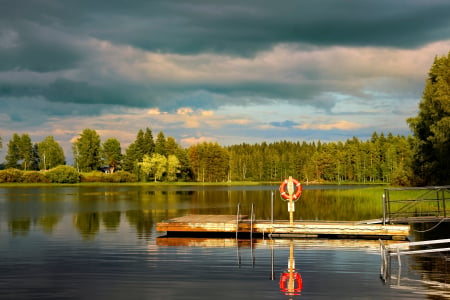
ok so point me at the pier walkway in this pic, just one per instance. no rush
(241, 225)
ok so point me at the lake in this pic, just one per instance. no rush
(100, 242)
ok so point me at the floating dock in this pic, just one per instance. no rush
(220, 225)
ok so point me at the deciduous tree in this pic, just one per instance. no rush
(173, 167)
(87, 151)
(155, 165)
(20, 152)
(50, 154)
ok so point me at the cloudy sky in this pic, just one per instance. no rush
(222, 70)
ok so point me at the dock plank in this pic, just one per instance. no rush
(229, 224)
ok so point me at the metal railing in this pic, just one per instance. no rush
(406, 204)
(403, 248)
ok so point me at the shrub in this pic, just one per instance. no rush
(34, 177)
(63, 174)
(95, 176)
(11, 175)
(123, 176)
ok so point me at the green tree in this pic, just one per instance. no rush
(185, 173)
(144, 143)
(20, 152)
(155, 165)
(26, 152)
(50, 154)
(148, 143)
(171, 146)
(135, 152)
(431, 127)
(13, 154)
(130, 158)
(87, 151)
(210, 162)
(160, 144)
(173, 167)
(112, 153)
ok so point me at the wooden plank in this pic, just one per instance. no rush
(307, 243)
(227, 224)
(200, 223)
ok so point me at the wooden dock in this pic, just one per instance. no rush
(231, 224)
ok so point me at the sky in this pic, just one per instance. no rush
(221, 71)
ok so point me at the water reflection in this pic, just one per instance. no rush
(413, 266)
(291, 282)
(419, 274)
(100, 241)
(97, 208)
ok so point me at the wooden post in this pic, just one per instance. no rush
(291, 283)
(290, 188)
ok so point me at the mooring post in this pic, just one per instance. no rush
(237, 220)
(290, 188)
(251, 225)
(271, 210)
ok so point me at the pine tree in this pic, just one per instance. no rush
(160, 144)
(431, 127)
(111, 153)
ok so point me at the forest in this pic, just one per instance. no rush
(420, 159)
(381, 159)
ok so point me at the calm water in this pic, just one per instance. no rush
(101, 243)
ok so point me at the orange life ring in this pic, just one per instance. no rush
(284, 279)
(285, 194)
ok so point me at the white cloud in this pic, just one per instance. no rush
(154, 111)
(341, 125)
(184, 111)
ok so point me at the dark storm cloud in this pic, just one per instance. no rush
(30, 46)
(245, 27)
(240, 27)
(54, 40)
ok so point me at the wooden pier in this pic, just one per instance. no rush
(231, 224)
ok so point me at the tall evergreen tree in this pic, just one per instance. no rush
(148, 142)
(130, 159)
(112, 153)
(431, 127)
(171, 146)
(139, 143)
(87, 151)
(160, 144)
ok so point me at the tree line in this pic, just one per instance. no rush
(414, 160)
(380, 159)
